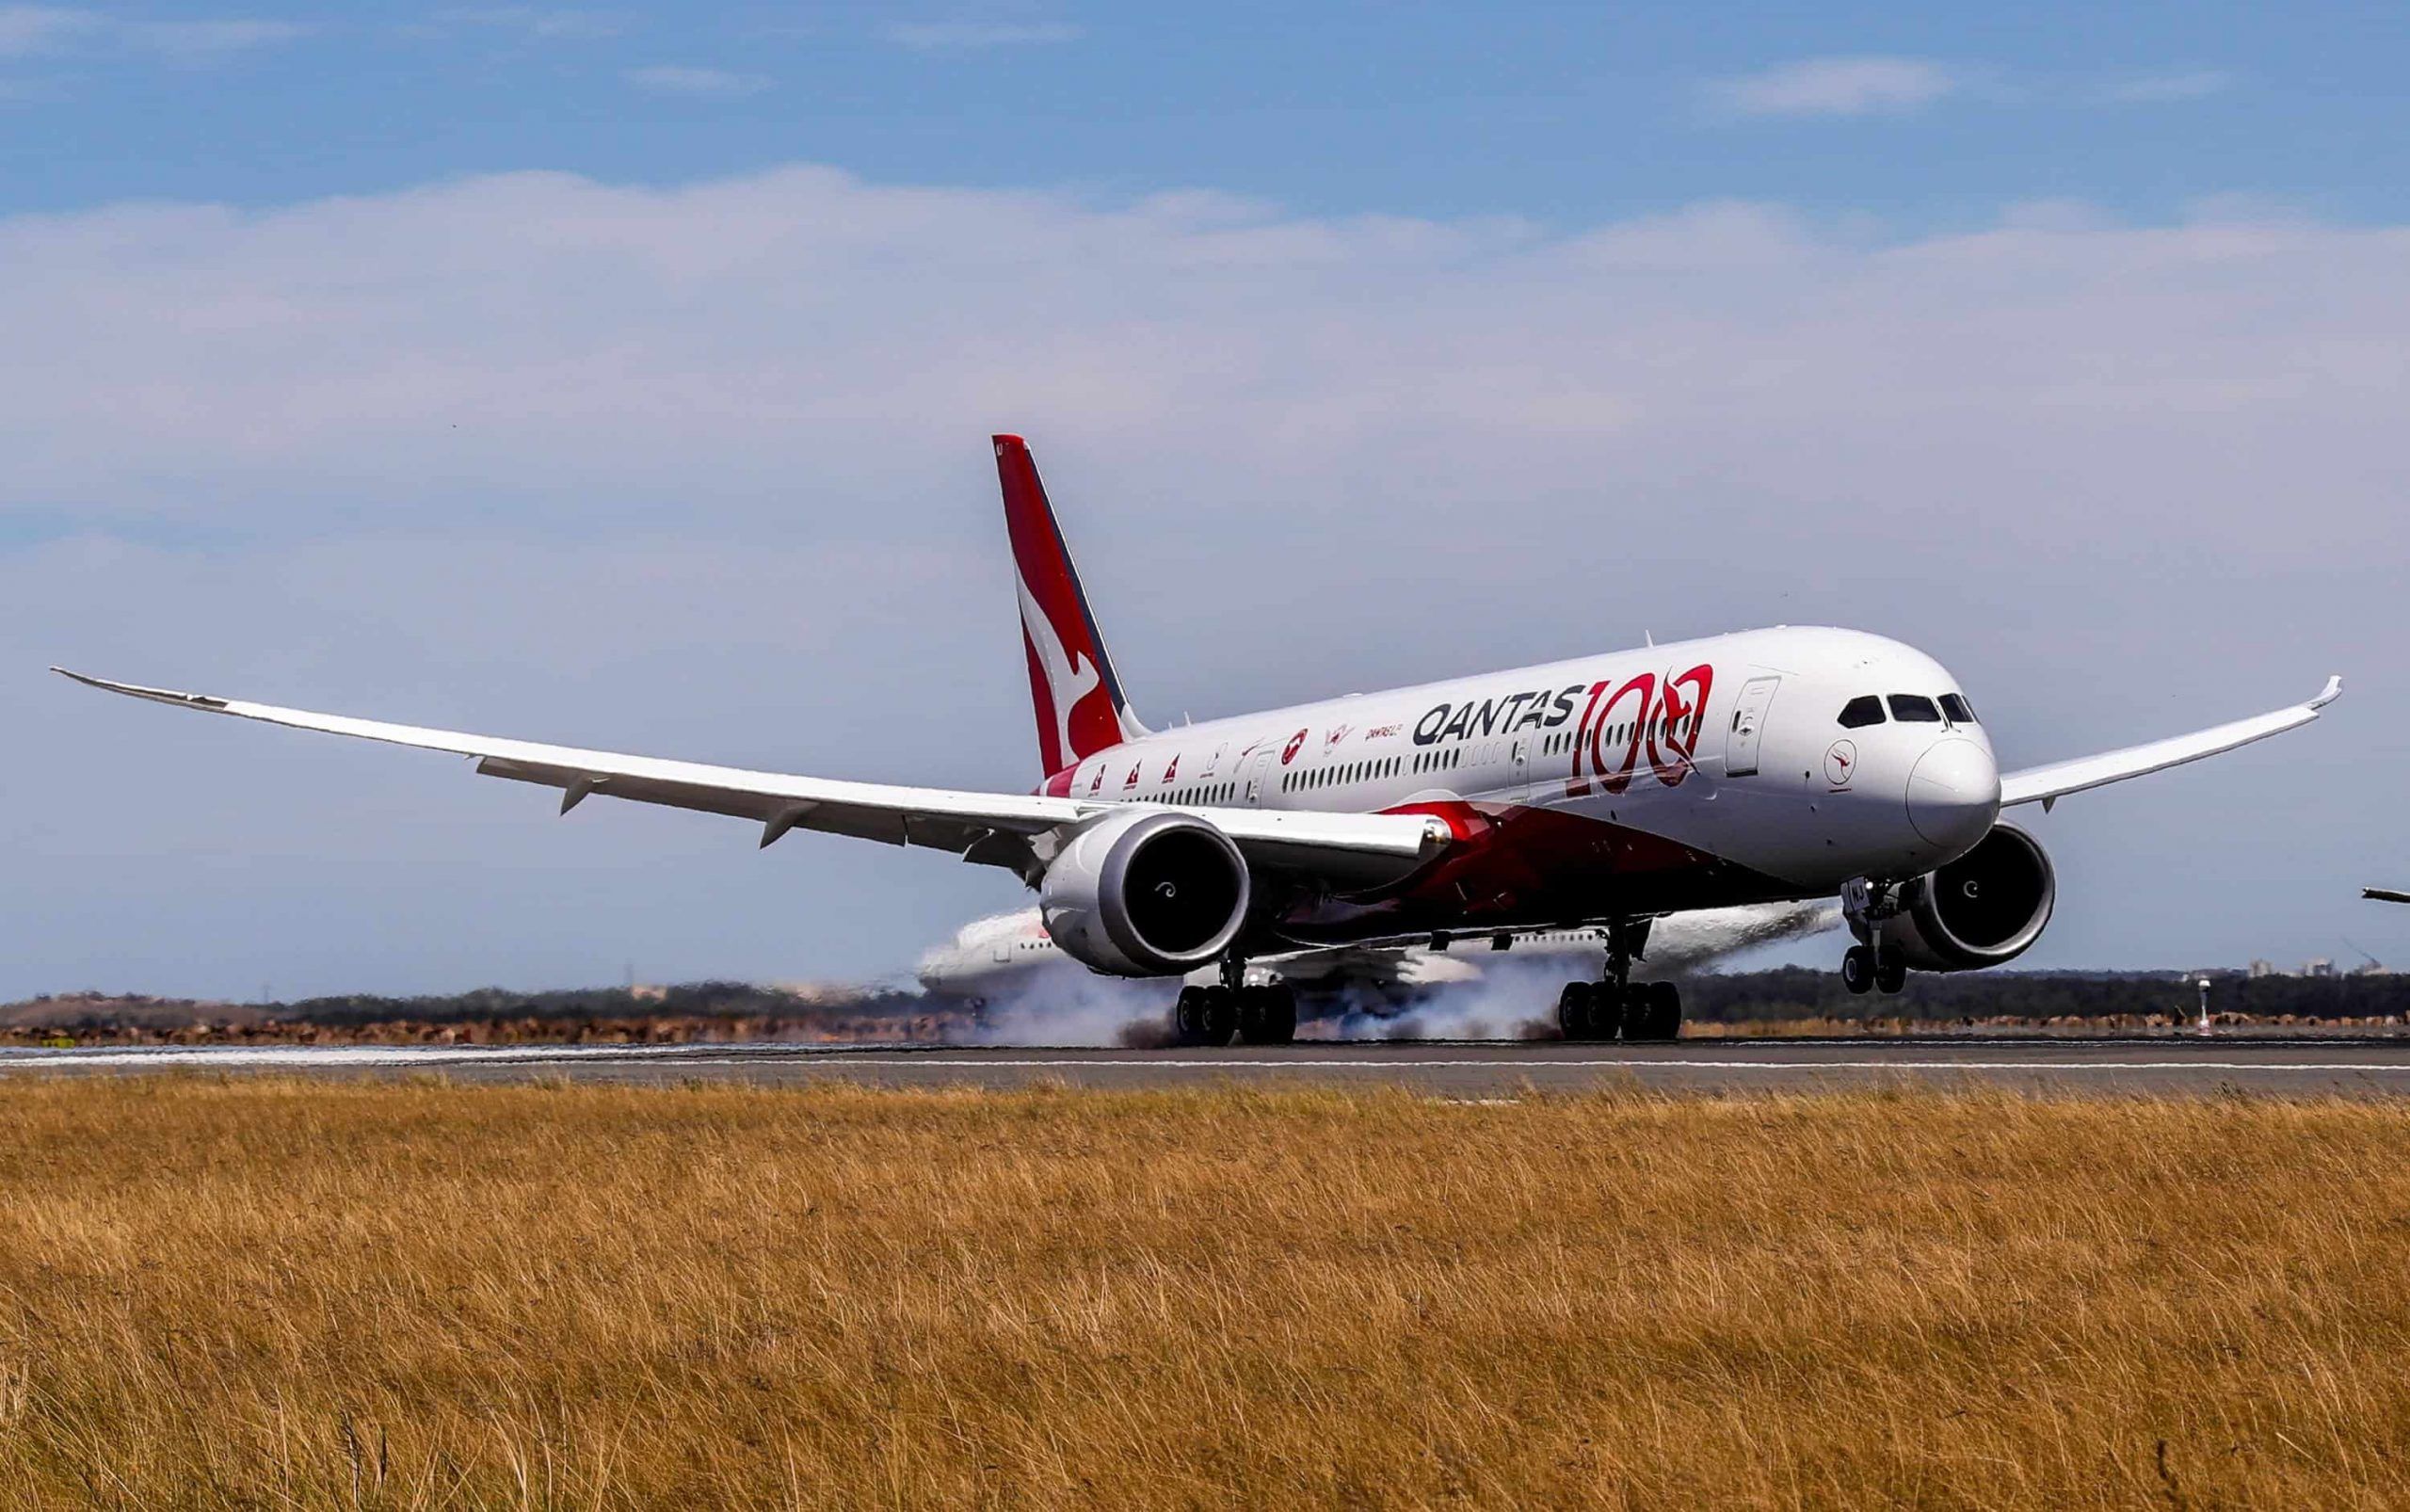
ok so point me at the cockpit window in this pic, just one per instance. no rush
(1957, 707)
(1914, 709)
(1858, 713)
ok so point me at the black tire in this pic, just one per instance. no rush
(1611, 1009)
(1188, 1017)
(1658, 1013)
(1890, 972)
(1857, 970)
(1268, 1016)
(1573, 1009)
(1217, 1018)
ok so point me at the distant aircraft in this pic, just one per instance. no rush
(2384, 895)
(991, 958)
(1608, 791)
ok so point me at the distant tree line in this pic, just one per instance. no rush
(698, 1000)
(1739, 997)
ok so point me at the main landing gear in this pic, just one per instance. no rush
(1636, 1010)
(1252, 1015)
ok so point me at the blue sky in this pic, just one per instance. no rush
(1558, 111)
(620, 378)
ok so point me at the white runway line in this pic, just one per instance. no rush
(332, 1056)
(1390, 1065)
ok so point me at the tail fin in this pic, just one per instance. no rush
(1071, 683)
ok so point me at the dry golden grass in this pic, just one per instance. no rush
(274, 1293)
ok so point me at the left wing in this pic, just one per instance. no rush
(2384, 895)
(999, 829)
(2046, 786)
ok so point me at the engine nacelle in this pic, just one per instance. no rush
(1984, 908)
(1146, 895)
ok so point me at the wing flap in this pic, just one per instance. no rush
(2047, 784)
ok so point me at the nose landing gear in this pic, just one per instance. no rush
(1598, 1012)
(1869, 904)
(1863, 970)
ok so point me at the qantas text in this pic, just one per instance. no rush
(1490, 717)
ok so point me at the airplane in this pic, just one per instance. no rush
(1605, 791)
(2384, 895)
(1012, 954)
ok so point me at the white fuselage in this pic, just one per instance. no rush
(1689, 774)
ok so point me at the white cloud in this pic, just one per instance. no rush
(547, 24)
(934, 35)
(700, 83)
(2170, 88)
(25, 30)
(201, 41)
(701, 470)
(1836, 87)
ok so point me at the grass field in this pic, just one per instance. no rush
(398, 1295)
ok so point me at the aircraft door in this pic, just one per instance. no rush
(1519, 773)
(1749, 726)
(1259, 776)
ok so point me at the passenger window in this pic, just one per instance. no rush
(1914, 709)
(1858, 713)
(1956, 706)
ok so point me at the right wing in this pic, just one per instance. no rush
(2046, 786)
(999, 829)
(2384, 895)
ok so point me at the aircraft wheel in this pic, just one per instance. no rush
(1657, 1014)
(1857, 969)
(1573, 1009)
(1217, 1018)
(1611, 1006)
(1890, 972)
(1267, 1015)
(1188, 1017)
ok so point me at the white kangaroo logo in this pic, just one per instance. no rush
(1068, 678)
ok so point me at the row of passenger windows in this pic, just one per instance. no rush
(1206, 792)
(1909, 709)
(1333, 776)
(1863, 711)
(1615, 737)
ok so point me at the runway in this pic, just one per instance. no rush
(2357, 1067)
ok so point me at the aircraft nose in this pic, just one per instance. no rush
(1954, 793)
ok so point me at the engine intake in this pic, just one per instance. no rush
(1146, 895)
(1984, 908)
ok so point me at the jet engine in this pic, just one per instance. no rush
(1146, 895)
(1984, 908)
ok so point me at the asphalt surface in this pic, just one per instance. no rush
(2359, 1067)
